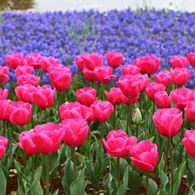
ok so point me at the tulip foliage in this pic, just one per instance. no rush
(81, 127)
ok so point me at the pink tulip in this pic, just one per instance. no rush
(44, 96)
(74, 110)
(25, 93)
(33, 60)
(130, 69)
(21, 113)
(86, 95)
(5, 109)
(129, 85)
(89, 74)
(163, 77)
(103, 74)
(3, 145)
(152, 88)
(191, 58)
(143, 80)
(114, 95)
(180, 76)
(181, 96)
(162, 99)
(190, 111)
(14, 60)
(46, 62)
(118, 143)
(27, 144)
(3, 93)
(189, 142)
(60, 77)
(47, 138)
(23, 70)
(179, 61)
(76, 131)
(126, 100)
(149, 64)
(168, 121)
(89, 61)
(145, 155)
(114, 59)
(102, 110)
(28, 79)
(4, 71)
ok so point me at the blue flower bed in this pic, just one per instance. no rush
(65, 35)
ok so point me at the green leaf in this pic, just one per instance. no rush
(18, 167)
(56, 192)
(3, 182)
(178, 173)
(134, 181)
(152, 186)
(163, 178)
(93, 177)
(161, 164)
(178, 154)
(123, 166)
(53, 165)
(191, 191)
(113, 170)
(78, 186)
(68, 177)
(123, 187)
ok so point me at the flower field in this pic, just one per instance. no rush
(103, 103)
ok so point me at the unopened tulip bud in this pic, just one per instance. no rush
(137, 116)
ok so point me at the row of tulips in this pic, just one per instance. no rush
(83, 121)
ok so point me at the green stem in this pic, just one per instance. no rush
(140, 101)
(4, 128)
(32, 122)
(137, 129)
(182, 127)
(130, 115)
(127, 124)
(166, 157)
(73, 155)
(45, 111)
(47, 175)
(147, 182)
(101, 130)
(118, 171)
(21, 128)
(89, 134)
(59, 96)
(33, 167)
(114, 120)
(171, 160)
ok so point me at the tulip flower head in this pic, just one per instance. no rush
(44, 139)
(102, 110)
(145, 155)
(3, 145)
(179, 61)
(76, 131)
(168, 121)
(86, 95)
(4, 71)
(189, 142)
(118, 144)
(148, 64)
(14, 60)
(114, 59)
(180, 76)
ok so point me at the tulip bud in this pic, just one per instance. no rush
(137, 116)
